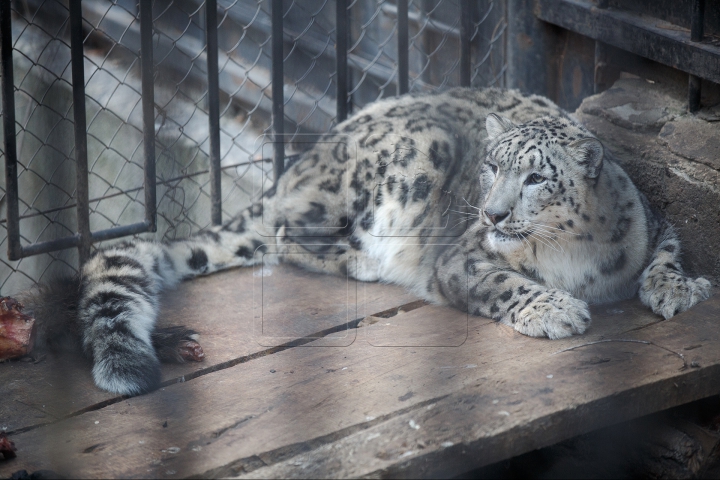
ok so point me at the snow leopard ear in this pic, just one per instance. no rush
(497, 125)
(588, 152)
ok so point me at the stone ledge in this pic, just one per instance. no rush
(672, 156)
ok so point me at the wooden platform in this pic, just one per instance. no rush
(294, 386)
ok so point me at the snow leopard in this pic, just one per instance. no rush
(490, 201)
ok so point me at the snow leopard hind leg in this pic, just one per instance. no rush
(120, 286)
(664, 287)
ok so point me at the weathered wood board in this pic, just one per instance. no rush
(219, 307)
(522, 404)
(428, 392)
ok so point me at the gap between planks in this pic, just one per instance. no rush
(270, 397)
(218, 306)
(388, 313)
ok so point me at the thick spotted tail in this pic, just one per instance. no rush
(113, 304)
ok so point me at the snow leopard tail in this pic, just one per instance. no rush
(110, 308)
(54, 305)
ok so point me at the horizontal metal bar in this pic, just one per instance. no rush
(75, 241)
(50, 246)
(8, 103)
(640, 35)
(131, 190)
(121, 231)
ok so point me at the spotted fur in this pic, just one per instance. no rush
(486, 200)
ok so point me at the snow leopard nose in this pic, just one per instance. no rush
(496, 217)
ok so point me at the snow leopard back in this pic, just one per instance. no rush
(396, 179)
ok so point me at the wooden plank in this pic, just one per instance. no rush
(280, 405)
(516, 409)
(219, 307)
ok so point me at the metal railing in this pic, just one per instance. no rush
(84, 238)
(209, 75)
(662, 42)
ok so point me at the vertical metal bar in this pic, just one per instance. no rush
(213, 110)
(341, 41)
(697, 21)
(8, 105)
(600, 65)
(81, 165)
(466, 28)
(505, 36)
(350, 82)
(278, 97)
(403, 47)
(697, 24)
(694, 92)
(148, 108)
(601, 72)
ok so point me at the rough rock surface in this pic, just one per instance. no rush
(671, 155)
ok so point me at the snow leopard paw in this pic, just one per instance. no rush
(177, 345)
(553, 314)
(673, 293)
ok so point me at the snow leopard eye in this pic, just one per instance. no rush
(534, 179)
(493, 167)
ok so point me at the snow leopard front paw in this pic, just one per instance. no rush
(673, 293)
(553, 314)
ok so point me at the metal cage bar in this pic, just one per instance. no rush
(85, 237)
(634, 33)
(697, 24)
(403, 47)
(278, 97)
(148, 109)
(466, 30)
(341, 41)
(82, 199)
(144, 33)
(10, 145)
(211, 27)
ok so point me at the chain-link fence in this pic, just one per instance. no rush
(43, 94)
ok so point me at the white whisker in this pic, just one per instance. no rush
(466, 213)
(545, 225)
(542, 236)
(461, 221)
(471, 206)
(525, 240)
(533, 235)
(548, 233)
(551, 236)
